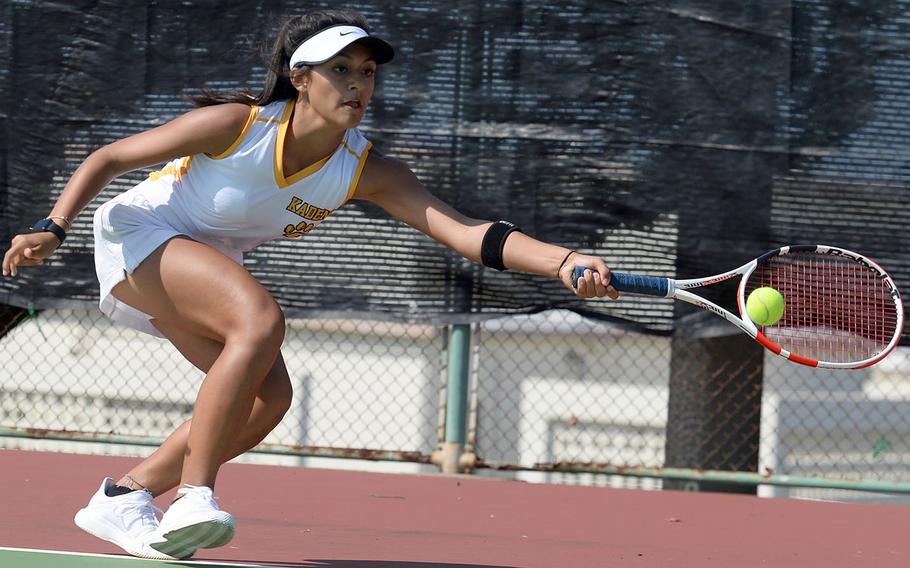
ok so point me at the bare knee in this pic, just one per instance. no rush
(269, 325)
(260, 325)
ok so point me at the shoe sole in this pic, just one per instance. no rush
(183, 542)
(100, 528)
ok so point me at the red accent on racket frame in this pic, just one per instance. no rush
(767, 344)
(803, 360)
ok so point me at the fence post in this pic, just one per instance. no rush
(450, 457)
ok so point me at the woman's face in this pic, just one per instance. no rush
(340, 89)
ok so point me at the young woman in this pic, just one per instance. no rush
(242, 170)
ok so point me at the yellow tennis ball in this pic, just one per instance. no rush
(765, 306)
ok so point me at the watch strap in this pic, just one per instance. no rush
(47, 225)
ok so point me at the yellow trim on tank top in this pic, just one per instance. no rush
(184, 167)
(254, 110)
(278, 161)
(363, 161)
(170, 170)
(351, 150)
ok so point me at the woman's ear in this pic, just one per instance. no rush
(300, 78)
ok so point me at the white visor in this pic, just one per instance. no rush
(324, 45)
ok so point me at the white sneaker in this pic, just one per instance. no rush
(193, 521)
(126, 520)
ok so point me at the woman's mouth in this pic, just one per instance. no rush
(353, 104)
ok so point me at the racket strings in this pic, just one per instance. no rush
(836, 309)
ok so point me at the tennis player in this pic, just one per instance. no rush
(242, 170)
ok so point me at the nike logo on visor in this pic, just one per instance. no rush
(345, 33)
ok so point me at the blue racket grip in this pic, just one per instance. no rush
(647, 285)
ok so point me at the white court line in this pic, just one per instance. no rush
(127, 557)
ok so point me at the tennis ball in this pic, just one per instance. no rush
(765, 306)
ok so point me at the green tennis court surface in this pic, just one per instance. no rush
(29, 558)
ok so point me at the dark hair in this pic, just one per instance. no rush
(277, 80)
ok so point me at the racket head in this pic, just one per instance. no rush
(841, 309)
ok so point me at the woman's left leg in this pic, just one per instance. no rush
(161, 471)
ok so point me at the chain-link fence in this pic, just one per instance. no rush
(357, 385)
(574, 400)
(559, 393)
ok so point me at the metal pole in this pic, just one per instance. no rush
(457, 399)
(450, 456)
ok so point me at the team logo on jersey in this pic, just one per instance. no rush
(307, 211)
(310, 213)
(298, 230)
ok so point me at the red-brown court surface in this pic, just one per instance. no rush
(343, 519)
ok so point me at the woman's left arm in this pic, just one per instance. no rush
(391, 185)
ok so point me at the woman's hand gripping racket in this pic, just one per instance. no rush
(841, 310)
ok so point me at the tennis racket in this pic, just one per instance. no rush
(841, 309)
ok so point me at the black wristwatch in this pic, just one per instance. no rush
(48, 225)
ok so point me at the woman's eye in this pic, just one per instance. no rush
(341, 69)
(369, 72)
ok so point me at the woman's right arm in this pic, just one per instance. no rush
(209, 130)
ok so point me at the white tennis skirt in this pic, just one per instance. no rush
(127, 230)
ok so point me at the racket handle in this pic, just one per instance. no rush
(634, 284)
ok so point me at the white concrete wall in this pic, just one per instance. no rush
(841, 424)
(555, 387)
(357, 385)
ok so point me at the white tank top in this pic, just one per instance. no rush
(241, 199)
